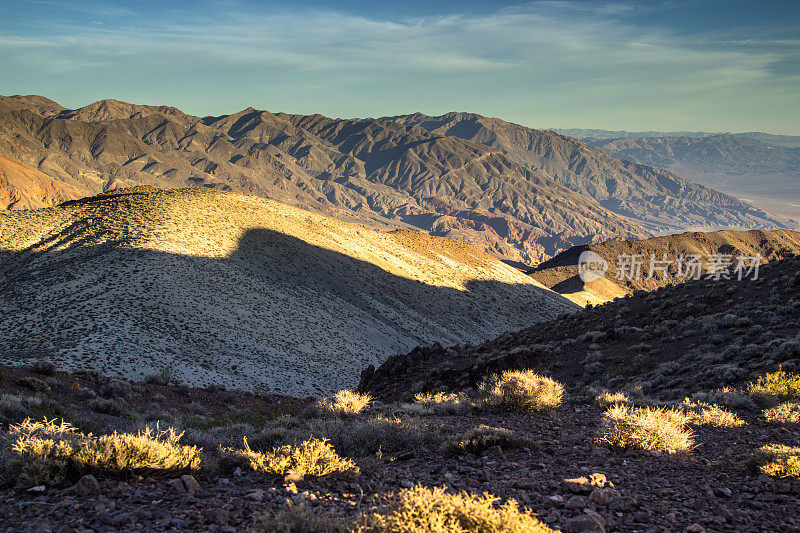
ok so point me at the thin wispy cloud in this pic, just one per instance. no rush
(547, 52)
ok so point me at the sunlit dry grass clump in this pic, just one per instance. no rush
(648, 428)
(781, 385)
(424, 510)
(313, 457)
(704, 414)
(522, 391)
(777, 460)
(46, 451)
(443, 402)
(344, 403)
(785, 413)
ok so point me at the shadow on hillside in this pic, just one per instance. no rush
(107, 281)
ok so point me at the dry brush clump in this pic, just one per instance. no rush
(46, 452)
(482, 438)
(704, 414)
(608, 399)
(313, 457)
(300, 519)
(425, 510)
(785, 413)
(384, 434)
(648, 428)
(344, 403)
(776, 460)
(780, 385)
(443, 403)
(522, 391)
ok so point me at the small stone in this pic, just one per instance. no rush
(576, 502)
(221, 517)
(293, 477)
(37, 488)
(723, 492)
(620, 505)
(87, 486)
(190, 484)
(583, 524)
(406, 484)
(602, 496)
(254, 496)
(695, 528)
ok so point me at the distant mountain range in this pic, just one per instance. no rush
(757, 166)
(790, 141)
(521, 194)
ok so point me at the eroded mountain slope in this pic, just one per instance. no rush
(246, 292)
(654, 197)
(378, 172)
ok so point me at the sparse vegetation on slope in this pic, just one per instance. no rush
(293, 301)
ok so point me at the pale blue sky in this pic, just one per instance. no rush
(670, 65)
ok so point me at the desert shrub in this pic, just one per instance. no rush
(648, 428)
(607, 399)
(703, 414)
(776, 460)
(34, 384)
(47, 451)
(782, 385)
(726, 396)
(481, 438)
(300, 519)
(443, 403)
(785, 413)
(359, 438)
(117, 389)
(421, 510)
(522, 391)
(43, 367)
(344, 403)
(105, 406)
(313, 457)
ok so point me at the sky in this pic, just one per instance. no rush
(671, 65)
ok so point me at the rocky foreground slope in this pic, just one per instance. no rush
(245, 292)
(629, 262)
(672, 342)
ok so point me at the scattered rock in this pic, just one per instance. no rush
(87, 486)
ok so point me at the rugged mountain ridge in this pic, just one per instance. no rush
(653, 197)
(221, 288)
(378, 172)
